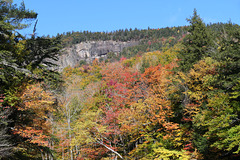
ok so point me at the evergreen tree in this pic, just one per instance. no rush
(11, 71)
(22, 61)
(195, 44)
(11, 49)
(227, 52)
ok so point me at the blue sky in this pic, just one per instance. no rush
(58, 16)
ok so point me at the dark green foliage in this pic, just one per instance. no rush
(196, 43)
(201, 143)
(145, 64)
(5, 144)
(227, 52)
(10, 19)
(22, 61)
(71, 38)
(112, 56)
(82, 62)
(11, 73)
(42, 51)
(19, 57)
(149, 45)
(216, 126)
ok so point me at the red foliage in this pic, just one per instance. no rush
(184, 119)
(188, 147)
(2, 98)
(149, 43)
(122, 59)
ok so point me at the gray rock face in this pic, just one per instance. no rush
(89, 51)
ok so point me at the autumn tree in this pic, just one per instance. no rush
(76, 111)
(22, 62)
(158, 129)
(11, 18)
(121, 90)
(34, 120)
(70, 106)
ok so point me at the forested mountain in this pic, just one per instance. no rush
(175, 95)
(84, 47)
(70, 38)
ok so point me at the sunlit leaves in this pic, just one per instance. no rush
(142, 108)
(40, 104)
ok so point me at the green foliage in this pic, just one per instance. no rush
(196, 43)
(220, 119)
(23, 62)
(141, 108)
(145, 64)
(82, 62)
(71, 38)
(136, 108)
(11, 17)
(227, 53)
(159, 57)
(236, 92)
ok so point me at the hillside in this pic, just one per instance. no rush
(123, 35)
(86, 52)
(114, 45)
(178, 102)
(169, 93)
(84, 47)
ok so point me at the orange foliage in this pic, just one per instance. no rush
(37, 104)
(158, 79)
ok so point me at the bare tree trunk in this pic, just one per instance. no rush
(42, 154)
(124, 148)
(101, 143)
(77, 151)
(70, 138)
(62, 145)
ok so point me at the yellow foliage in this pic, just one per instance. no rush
(198, 82)
(40, 103)
(166, 154)
(133, 119)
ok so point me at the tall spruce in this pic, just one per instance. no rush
(195, 44)
(227, 52)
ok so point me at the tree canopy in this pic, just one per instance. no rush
(174, 96)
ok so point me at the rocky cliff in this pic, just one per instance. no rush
(89, 51)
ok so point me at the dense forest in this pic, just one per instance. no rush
(174, 96)
(71, 38)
